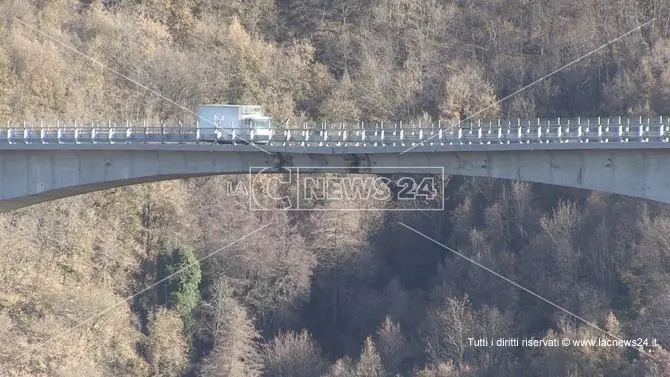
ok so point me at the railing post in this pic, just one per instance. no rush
(128, 133)
(661, 129)
(509, 132)
(479, 133)
(579, 132)
(528, 133)
(547, 132)
(460, 135)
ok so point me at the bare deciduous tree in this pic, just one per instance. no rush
(167, 348)
(235, 352)
(370, 364)
(291, 354)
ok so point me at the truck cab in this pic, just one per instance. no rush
(259, 126)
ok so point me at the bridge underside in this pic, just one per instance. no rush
(33, 176)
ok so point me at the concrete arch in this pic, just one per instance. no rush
(36, 173)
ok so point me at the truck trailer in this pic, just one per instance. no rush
(226, 124)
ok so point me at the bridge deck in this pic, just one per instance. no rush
(623, 156)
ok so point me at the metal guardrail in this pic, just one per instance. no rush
(541, 131)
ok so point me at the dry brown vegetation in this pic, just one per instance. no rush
(331, 294)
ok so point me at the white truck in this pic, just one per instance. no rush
(225, 124)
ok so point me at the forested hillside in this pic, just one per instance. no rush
(328, 293)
